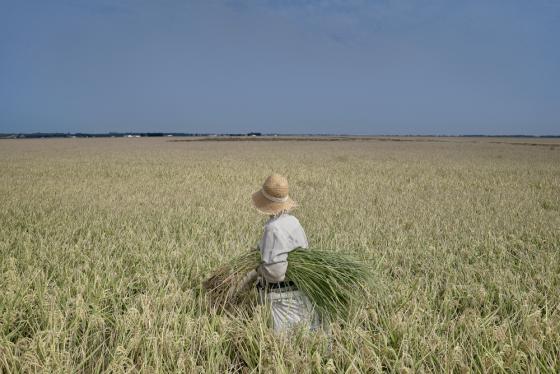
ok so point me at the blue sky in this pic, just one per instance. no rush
(324, 66)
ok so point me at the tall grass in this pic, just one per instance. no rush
(333, 281)
(104, 243)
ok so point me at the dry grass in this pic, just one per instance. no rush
(104, 242)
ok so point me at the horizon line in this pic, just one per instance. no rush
(60, 134)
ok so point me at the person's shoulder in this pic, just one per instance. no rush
(291, 218)
(272, 225)
(294, 218)
(284, 221)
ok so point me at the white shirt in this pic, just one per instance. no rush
(282, 235)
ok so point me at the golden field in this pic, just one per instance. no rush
(104, 243)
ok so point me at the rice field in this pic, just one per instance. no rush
(104, 244)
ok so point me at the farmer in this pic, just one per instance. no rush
(282, 234)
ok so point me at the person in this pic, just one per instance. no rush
(283, 233)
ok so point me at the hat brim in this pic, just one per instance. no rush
(265, 206)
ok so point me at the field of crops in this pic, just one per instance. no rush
(104, 244)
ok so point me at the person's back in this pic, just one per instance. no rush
(282, 234)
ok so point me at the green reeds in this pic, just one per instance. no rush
(333, 281)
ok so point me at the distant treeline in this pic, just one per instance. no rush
(190, 134)
(114, 134)
(506, 136)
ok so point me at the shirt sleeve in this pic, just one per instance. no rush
(274, 255)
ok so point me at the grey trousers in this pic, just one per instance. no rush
(289, 308)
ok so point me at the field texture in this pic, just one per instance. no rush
(104, 243)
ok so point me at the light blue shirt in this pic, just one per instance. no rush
(282, 234)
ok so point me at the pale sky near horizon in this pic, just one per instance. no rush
(314, 66)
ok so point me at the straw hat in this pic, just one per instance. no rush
(273, 197)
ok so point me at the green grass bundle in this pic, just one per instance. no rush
(333, 281)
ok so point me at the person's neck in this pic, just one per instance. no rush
(275, 216)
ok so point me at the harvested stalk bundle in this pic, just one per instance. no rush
(220, 286)
(333, 281)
